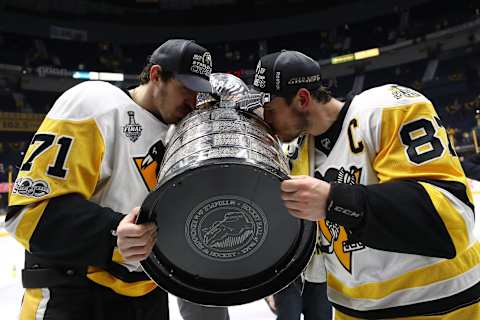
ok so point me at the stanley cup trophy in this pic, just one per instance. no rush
(224, 236)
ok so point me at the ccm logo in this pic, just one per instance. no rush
(346, 211)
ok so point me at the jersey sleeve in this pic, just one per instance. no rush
(49, 210)
(422, 203)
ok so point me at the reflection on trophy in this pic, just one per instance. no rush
(224, 235)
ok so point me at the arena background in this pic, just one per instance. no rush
(47, 46)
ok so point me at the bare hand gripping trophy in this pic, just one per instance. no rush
(224, 235)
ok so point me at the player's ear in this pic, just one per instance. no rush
(304, 98)
(154, 72)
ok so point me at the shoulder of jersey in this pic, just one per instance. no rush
(89, 99)
(388, 96)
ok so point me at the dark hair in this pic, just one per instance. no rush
(144, 76)
(321, 94)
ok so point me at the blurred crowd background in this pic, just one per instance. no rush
(47, 46)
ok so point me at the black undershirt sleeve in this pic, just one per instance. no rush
(76, 231)
(394, 216)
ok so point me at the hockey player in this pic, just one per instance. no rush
(94, 158)
(388, 192)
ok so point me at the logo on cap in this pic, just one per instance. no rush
(277, 80)
(260, 79)
(303, 79)
(202, 64)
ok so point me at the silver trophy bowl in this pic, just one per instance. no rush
(224, 234)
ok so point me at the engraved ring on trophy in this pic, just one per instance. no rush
(224, 235)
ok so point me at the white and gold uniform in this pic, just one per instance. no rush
(94, 158)
(412, 252)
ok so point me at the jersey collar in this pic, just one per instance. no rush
(326, 141)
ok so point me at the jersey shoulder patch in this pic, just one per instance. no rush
(388, 96)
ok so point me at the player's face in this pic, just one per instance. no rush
(176, 100)
(286, 121)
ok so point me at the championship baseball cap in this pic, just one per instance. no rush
(191, 63)
(285, 72)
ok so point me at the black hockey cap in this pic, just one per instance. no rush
(285, 72)
(191, 63)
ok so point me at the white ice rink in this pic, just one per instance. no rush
(11, 263)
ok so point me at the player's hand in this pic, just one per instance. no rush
(135, 241)
(305, 197)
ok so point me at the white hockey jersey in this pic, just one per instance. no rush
(415, 252)
(95, 144)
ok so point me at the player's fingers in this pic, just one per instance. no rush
(294, 205)
(289, 185)
(132, 216)
(289, 196)
(136, 230)
(298, 177)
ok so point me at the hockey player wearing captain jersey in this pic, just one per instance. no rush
(94, 158)
(387, 190)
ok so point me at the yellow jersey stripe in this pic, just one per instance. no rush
(466, 313)
(443, 270)
(117, 256)
(30, 304)
(134, 289)
(452, 219)
(301, 165)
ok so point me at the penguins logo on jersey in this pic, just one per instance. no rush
(149, 165)
(337, 237)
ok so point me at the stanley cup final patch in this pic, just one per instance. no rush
(132, 130)
(226, 228)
